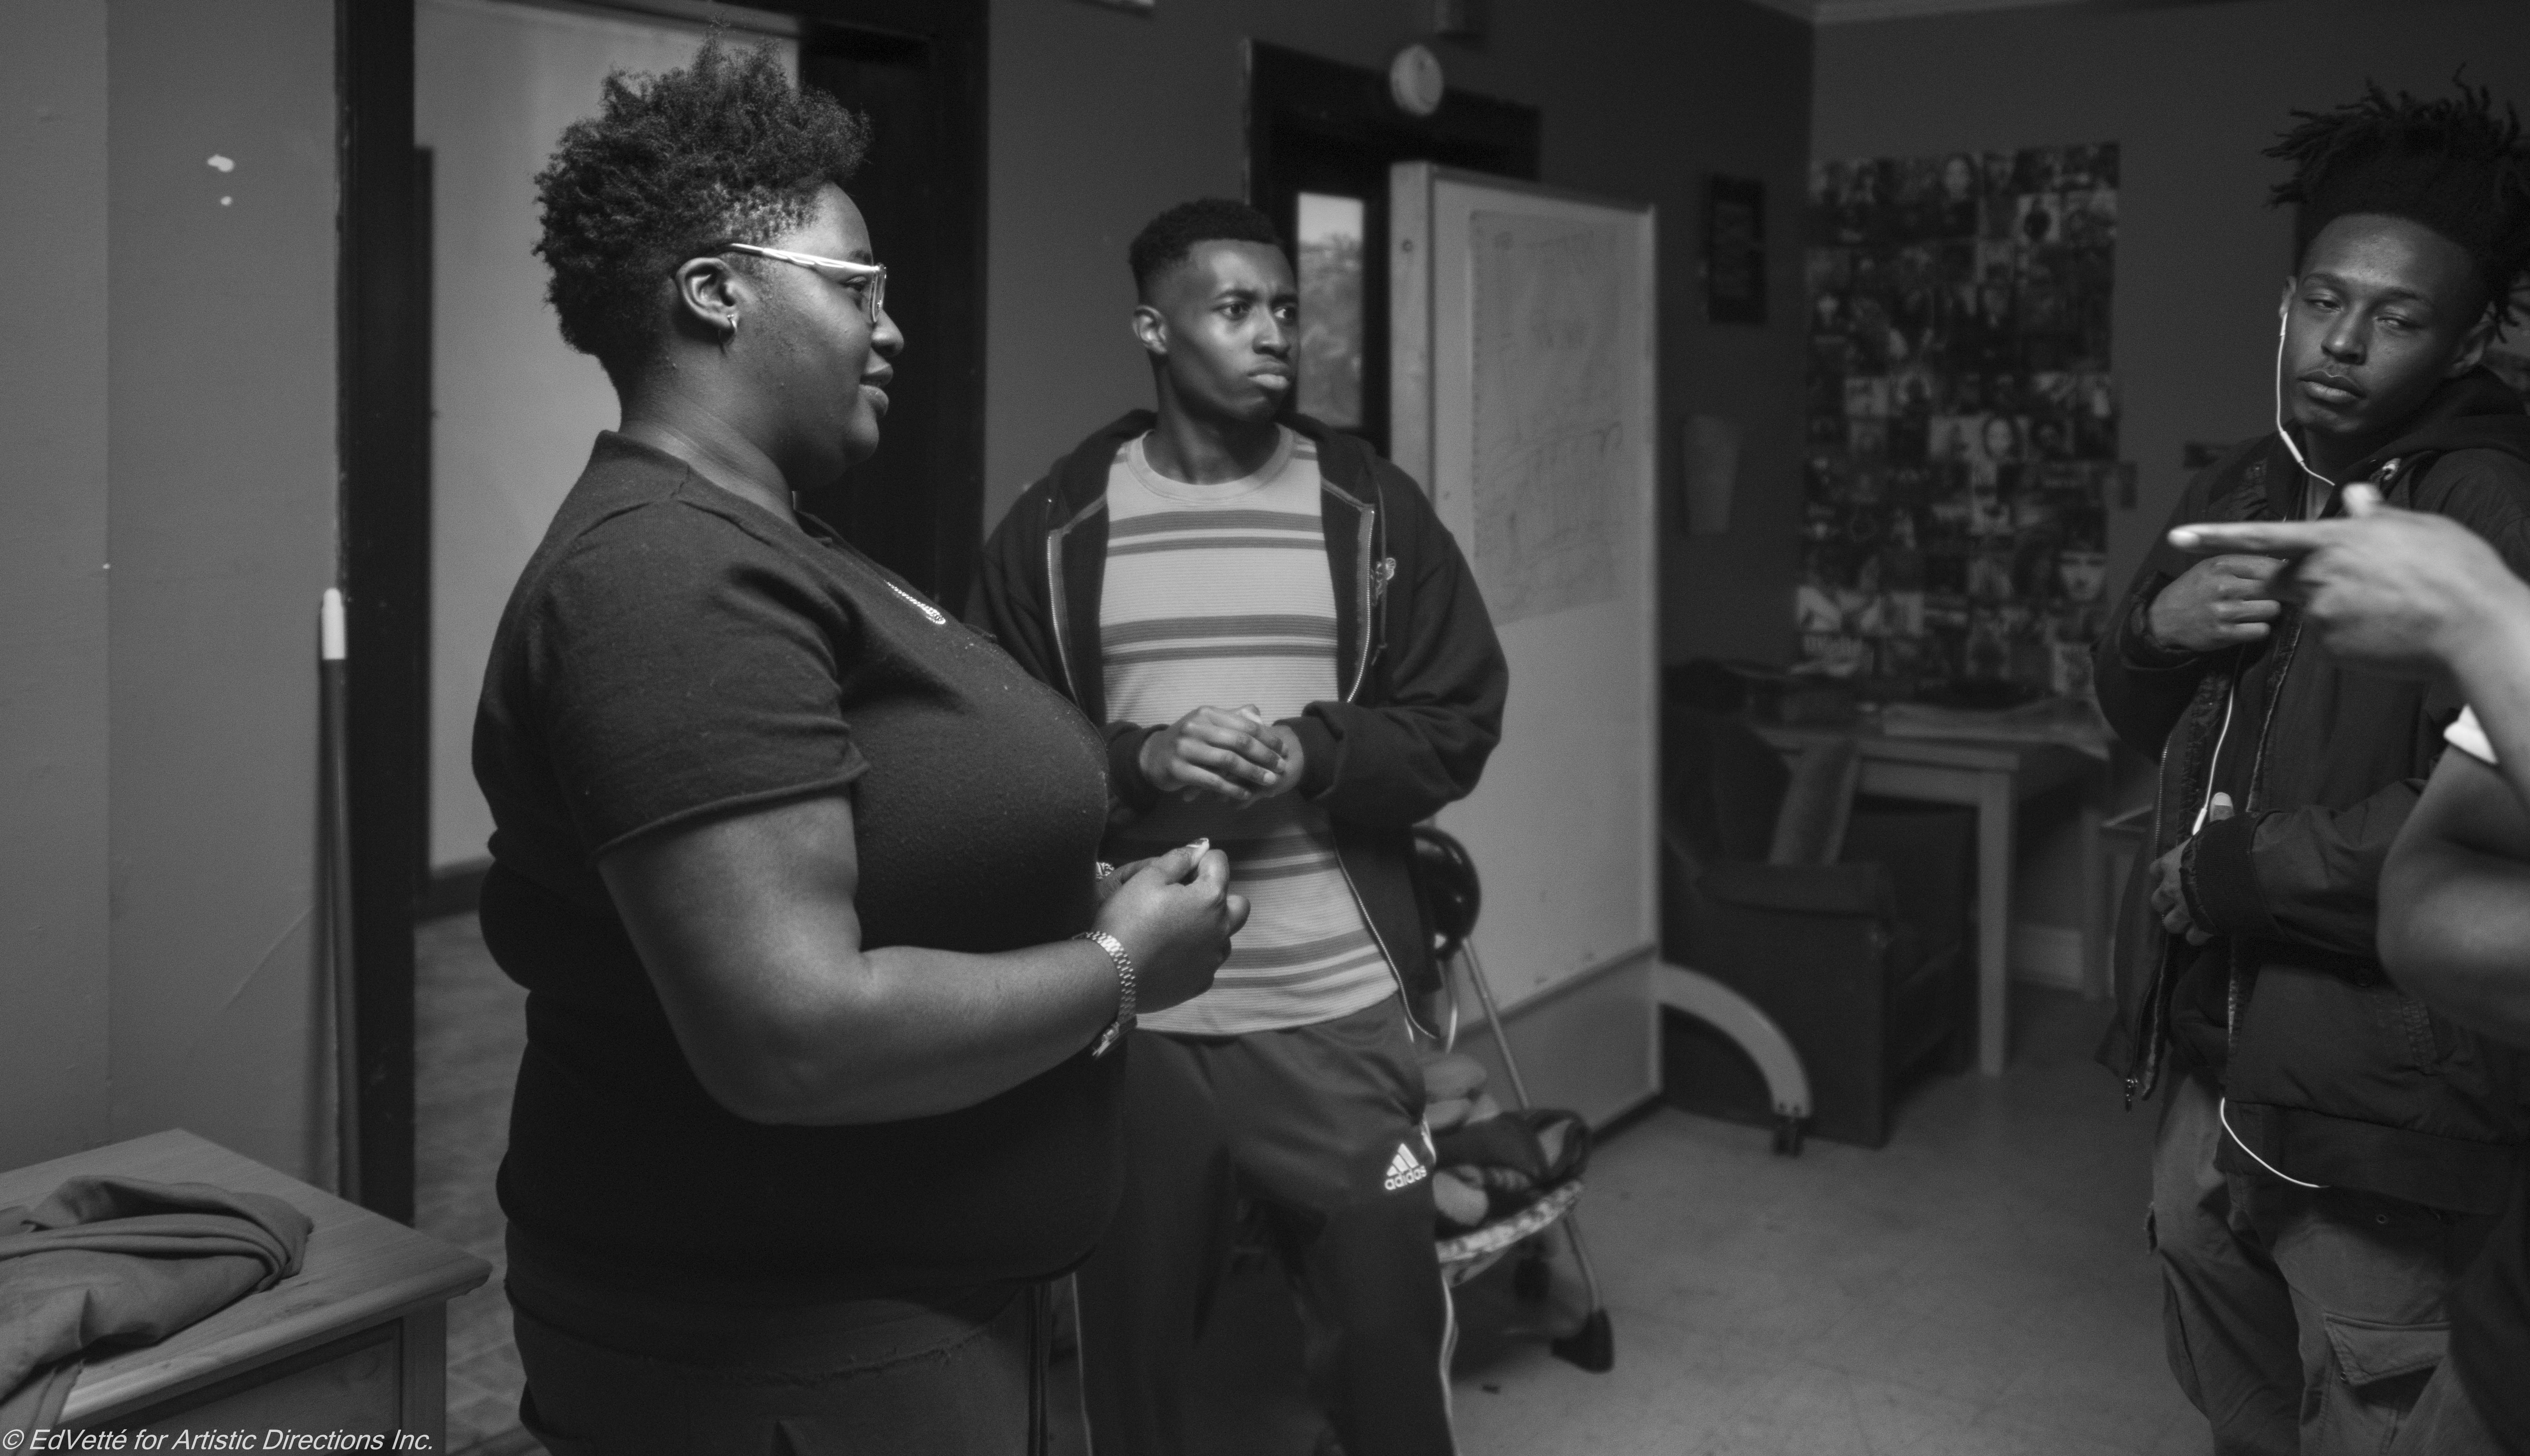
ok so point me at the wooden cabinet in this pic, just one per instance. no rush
(356, 1341)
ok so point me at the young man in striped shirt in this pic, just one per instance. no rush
(1291, 659)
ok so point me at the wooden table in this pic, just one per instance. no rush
(356, 1341)
(1991, 777)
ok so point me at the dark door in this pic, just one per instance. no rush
(1326, 134)
(916, 67)
(915, 72)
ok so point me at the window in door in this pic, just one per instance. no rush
(1329, 244)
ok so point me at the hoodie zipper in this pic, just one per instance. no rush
(2276, 677)
(2383, 479)
(1374, 574)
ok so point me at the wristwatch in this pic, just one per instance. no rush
(1114, 1035)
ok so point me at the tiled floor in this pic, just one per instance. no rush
(1978, 1286)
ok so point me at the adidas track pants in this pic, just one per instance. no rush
(1323, 1126)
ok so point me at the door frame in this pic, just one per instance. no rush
(383, 519)
(1296, 98)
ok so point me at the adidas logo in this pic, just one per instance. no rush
(1403, 1171)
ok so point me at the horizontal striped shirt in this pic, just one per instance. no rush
(1218, 596)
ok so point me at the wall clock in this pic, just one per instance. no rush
(1415, 80)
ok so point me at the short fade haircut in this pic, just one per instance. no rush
(1169, 238)
(2453, 166)
(726, 151)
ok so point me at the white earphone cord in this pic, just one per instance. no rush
(2223, 1114)
(2283, 320)
(2223, 1105)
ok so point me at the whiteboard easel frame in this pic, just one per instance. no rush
(1416, 419)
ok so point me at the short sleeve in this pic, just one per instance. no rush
(2468, 736)
(682, 667)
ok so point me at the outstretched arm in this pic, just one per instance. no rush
(2422, 593)
(2402, 591)
(2455, 898)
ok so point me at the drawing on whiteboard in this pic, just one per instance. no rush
(1549, 397)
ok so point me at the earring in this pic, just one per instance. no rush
(733, 326)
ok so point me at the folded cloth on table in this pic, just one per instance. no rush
(119, 1261)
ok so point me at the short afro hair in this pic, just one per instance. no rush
(2450, 165)
(1169, 238)
(726, 151)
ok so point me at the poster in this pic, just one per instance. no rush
(1962, 425)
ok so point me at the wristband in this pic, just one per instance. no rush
(1114, 1035)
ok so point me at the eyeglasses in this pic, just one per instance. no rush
(869, 280)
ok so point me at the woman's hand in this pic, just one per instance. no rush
(1115, 878)
(1177, 928)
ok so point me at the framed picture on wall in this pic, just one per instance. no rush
(1735, 251)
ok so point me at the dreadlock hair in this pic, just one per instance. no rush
(726, 151)
(2451, 165)
(1169, 240)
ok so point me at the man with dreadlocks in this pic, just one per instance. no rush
(2330, 1152)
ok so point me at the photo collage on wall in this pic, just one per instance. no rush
(1962, 423)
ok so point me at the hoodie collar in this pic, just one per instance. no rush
(1081, 477)
(2475, 411)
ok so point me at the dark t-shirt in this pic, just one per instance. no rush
(673, 652)
(2491, 1327)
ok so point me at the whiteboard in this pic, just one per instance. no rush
(1522, 392)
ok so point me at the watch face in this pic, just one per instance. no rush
(1415, 80)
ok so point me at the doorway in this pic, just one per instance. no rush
(1321, 136)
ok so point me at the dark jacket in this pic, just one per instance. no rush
(1423, 678)
(2331, 1073)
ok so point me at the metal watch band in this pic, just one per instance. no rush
(1115, 1033)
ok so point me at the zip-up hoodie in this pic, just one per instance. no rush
(1421, 674)
(2331, 1074)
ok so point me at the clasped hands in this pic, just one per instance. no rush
(1231, 754)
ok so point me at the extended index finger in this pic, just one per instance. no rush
(2252, 537)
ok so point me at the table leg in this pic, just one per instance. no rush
(1995, 808)
(424, 1387)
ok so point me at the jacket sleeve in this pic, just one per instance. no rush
(2312, 875)
(2309, 876)
(1423, 744)
(1008, 602)
(2144, 689)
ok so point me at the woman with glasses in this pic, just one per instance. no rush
(799, 873)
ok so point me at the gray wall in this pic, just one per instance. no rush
(513, 409)
(1100, 118)
(52, 587)
(156, 902)
(156, 926)
(2193, 94)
